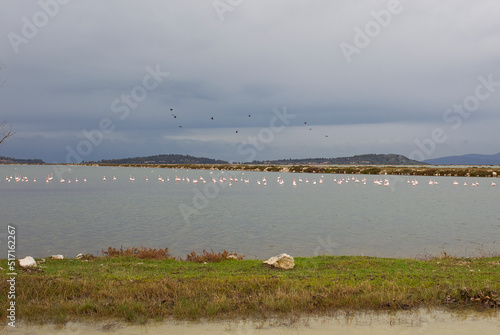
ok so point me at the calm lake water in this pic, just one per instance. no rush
(311, 218)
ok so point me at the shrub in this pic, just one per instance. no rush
(371, 170)
(143, 253)
(212, 257)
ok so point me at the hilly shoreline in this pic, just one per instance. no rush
(368, 159)
(9, 160)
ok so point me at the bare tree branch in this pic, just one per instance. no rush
(5, 134)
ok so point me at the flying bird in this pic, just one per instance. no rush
(212, 118)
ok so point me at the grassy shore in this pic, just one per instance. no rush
(423, 170)
(140, 290)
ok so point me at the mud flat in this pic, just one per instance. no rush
(401, 322)
(407, 170)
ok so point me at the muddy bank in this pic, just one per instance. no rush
(405, 170)
(404, 322)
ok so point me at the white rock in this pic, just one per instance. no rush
(282, 261)
(27, 262)
(79, 256)
(57, 257)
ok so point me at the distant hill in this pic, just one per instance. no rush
(470, 159)
(164, 159)
(8, 160)
(370, 159)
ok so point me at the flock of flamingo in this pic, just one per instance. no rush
(18, 178)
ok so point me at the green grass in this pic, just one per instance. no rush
(138, 290)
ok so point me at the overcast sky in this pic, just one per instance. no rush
(90, 80)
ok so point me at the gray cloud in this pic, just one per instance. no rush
(263, 55)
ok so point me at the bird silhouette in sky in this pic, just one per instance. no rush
(237, 131)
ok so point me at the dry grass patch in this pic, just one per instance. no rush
(143, 253)
(212, 257)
